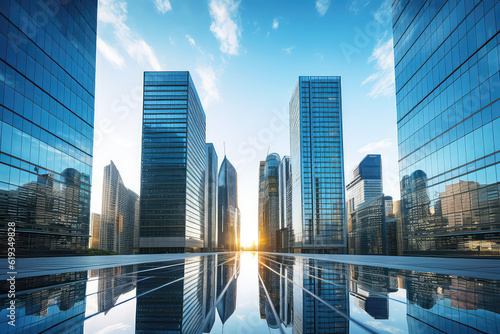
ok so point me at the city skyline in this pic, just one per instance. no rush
(119, 102)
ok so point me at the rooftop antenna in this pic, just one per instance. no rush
(268, 148)
(224, 149)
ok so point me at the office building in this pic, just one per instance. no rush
(317, 156)
(366, 183)
(47, 85)
(371, 230)
(173, 165)
(285, 200)
(118, 213)
(262, 241)
(448, 109)
(210, 232)
(270, 204)
(96, 231)
(228, 213)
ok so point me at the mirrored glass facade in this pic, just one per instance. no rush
(285, 199)
(210, 233)
(47, 85)
(228, 213)
(448, 91)
(173, 165)
(270, 204)
(317, 156)
(118, 213)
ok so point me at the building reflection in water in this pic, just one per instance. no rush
(296, 295)
(296, 308)
(371, 287)
(452, 304)
(59, 309)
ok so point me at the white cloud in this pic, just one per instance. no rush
(162, 6)
(355, 6)
(383, 327)
(171, 41)
(205, 71)
(110, 53)
(373, 147)
(114, 13)
(191, 40)
(322, 6)
(114, 328)
(383, 79)
(225, 26)
(289, 50)
(208, 84)
(276, 23)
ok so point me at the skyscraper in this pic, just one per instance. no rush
(448, 109)
(270, 204)
(366, 183)
(173, 165)
(210, 232)
(285, 200)
(317, 157)
(96, 231)
(228, 214)
(47, 71)
(118, 213)
(262, 181)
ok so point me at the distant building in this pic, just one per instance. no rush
(47, 88)
(366, 183)
(448, 98)
(317, 156)
(370, 219)
(399, 227)
(118, 213)
(262, 238)
(173, 165)
(270, 204)
(371, 232)
(228, 214)
(96, 231)
(285, 200)
(210, 231)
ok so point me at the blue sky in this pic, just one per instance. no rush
(245, 58)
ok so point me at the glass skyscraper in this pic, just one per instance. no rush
(173, 165)
(285, 200)
(228, 213)
(270, 204)
(366, 183)
(210, 232)
(118, 213)
(47, 85)
(317, 156)
(447, 93)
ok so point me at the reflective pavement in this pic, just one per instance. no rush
(253, 293)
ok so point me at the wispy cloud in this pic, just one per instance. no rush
(114, 328)
(357, 5)
(115, 13)
(206, 73)
(383, 79)
(191, 40)
(276, 23)
(110, 53)
(289, 50)
(322, 6)
(383, 327)
(208, 84)
(162, 6)
(225, 25)
(372, 147)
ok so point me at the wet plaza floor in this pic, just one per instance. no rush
(253, 293)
